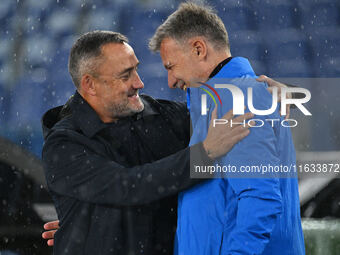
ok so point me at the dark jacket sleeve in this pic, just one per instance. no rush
(75, 171)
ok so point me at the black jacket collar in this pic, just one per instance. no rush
(89, 121)
(85, 117)
(219, 67)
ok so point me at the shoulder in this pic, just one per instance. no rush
(175, 114)
(166, 105)
(65, 133)
(63, 126)
(245, 87)
(65, 123)
(246, 82)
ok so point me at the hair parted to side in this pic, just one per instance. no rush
(86, 52)
(189, 20)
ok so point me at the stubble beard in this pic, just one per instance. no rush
(126, 109)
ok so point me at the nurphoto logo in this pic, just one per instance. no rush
(239, 103)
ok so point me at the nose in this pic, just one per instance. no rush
(171, 80)
(137, 83)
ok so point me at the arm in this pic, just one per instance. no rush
(255, 223)
(258, 199)
(61, 183)
(73, 170)
(273, 83)
(87, 176)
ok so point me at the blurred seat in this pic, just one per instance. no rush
(62, 22)
(74, 6)
(32, 25)
(2, 101)
(7, 9)
(34, 14)
(236, 17)
(327, 67)
(289, 68)
(25, 111)
(6, 45)
(252, 51)
(39, 10)
(259, 67)
(288, 53)
(6, 73)
(26, 99)
(273, 15)
(290, 50)
(59, 86)
(320, 14)
(326, 41)
(7, 23)
(38, 50)
(67, 42)
(102, 19)
(134, 20)
(248, 44)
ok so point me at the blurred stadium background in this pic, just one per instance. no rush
(282, 38)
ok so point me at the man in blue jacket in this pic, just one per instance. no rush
(229, 215)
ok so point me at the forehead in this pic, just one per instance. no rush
(118, 55)
(170, 49)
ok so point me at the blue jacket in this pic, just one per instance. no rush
(242, 215)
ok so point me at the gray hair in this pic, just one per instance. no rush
(86, 52)
(191, 20)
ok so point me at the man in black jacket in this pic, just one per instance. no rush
(114, 160)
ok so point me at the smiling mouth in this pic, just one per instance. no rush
(180, 85)
(132, 95)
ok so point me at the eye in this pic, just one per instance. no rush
(126, 76)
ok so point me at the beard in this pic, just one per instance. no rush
(126, 108)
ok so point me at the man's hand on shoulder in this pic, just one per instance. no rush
(275, 84)
(221, 138)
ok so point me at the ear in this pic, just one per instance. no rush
(88, 85)
(199, 47)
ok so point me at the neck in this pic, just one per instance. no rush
(216, 58)
(98, 108)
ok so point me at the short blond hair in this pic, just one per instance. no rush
(191, 20)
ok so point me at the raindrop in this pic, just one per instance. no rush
(161, 189)
(149, 178)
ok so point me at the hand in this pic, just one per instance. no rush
(51, 228)
(221, 138)
(272, 83)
